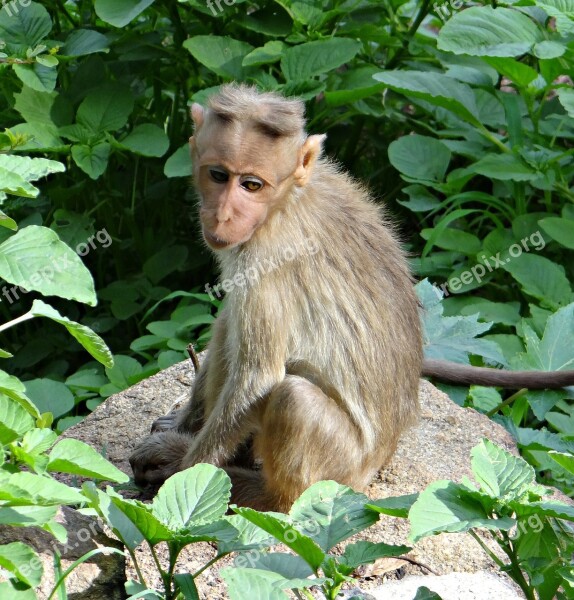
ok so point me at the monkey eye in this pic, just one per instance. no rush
(251, 184)
(218, 174)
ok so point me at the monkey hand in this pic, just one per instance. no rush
(159, 456)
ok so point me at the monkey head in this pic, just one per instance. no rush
(246, 161)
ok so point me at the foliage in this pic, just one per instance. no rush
(533, 531)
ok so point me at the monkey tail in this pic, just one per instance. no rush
(450, 372)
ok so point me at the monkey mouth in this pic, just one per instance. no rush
(215, 242)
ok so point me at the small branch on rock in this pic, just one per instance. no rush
(418, 564)
(193, 356)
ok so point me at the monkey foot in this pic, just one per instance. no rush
(165, 422)
(158, 457)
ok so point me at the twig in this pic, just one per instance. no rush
(418, 564)
(193, 356)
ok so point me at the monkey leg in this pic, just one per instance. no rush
(304, 437)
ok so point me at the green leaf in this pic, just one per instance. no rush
(24, 169)
(255, 584)
(516, 71)
(82, 42)
(36, 259)
(125, 371)
(93, 160)
(314, 58)
(50, 396)
(485, 31)
(27, 516)
(269, 53)
(23, 562)
(14, 388)
(541, 278)
(503, 167)
(247, 537)
(500, 474)
(37, 76)
(329, 513)
(363, 553)
(454, 239)
(148, 140)
(185, 584)
(24, 27)
(397, 506)
(147, 524)
(549, 49)
(73, 456)
(353, 85)
(194, 496)
(119, 14)
(28, 488)
(179, 163)
(287, 534)
(565, 460)
(106, 108)
(90, 340)
(484, 398)
(559, 229)
(566, 97)
(447, 506)
(420, 157)
(15, 421)
(437, 89)
(423, 593)
(221, 54)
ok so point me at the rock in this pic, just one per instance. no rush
(102, 576)
(437, 448)
(454, 586)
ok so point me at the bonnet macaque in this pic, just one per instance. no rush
(315, 360)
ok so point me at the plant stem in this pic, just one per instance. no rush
(136, 566)
(16, 321)
(488, 550)
(514, 570)
(423, 11)
(208, 564)
(506, 402)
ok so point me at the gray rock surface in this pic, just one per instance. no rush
(437, 448)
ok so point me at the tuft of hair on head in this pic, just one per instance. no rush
(269, 113)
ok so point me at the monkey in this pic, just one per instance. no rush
(314, 362)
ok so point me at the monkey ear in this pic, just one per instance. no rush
(197, 114)
(309, 153)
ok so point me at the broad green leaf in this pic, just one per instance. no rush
(37, 76)
(146, 523)
(24, 26)
(541, 278)
(504, 167)
(28, 488)
(220, 54)
(420, 199)
(363, 553)
(253, 583)
(15, 421)
(559, 229)
(447, 506)
(420, 157)
(549, 49)
(564, 459)
(16, 172)
(541, 401)
(554, 352)
(185, 584)
(81, 42)
(90, 340)
(437, 89)
(194, 496)
(484, 398)
(269, 53)
(106, 108)
(454, 239)
(271, 20)
(397, 506)
(516, 71)
(23, 562)
(27, 516)
(247, 537)
(38, 440)
(14, 388)
(287, 565)
(287, 534)
(50, 396)
(36, 259)
(423, 593)
(452, 338)
(499, 473)
(179, 163)
(353, 85)
(77, 458)
(314, 58)
(485, 31)
(93, 160)
(119, 14)
(329, 513)
(125, 372)
(147, 139)
(73, 228)
(566, 97)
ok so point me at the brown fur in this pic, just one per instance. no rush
(319, 359)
